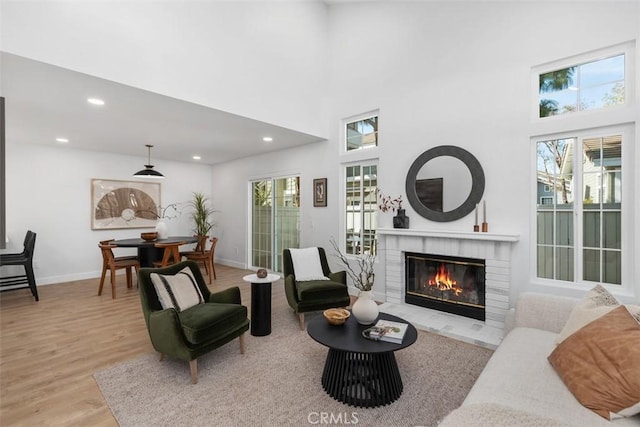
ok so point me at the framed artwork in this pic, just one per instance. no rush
(320, 192)
(124, 204)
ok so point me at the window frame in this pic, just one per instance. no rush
(627, 210)
(559, 121)
(363, 152)
(343, 201)
(275, 240)
(618, 119)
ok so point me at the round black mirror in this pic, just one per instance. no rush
(445, 183)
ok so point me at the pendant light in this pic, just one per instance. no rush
(148, 171)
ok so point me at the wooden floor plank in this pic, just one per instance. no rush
(50, 349)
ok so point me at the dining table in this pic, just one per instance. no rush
(147, 251)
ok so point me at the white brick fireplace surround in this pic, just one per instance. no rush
(494, 248)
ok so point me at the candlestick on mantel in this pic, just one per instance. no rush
(484, 211)
(485, 225)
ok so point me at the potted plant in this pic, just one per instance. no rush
(201, 214)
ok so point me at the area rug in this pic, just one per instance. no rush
(277, 383)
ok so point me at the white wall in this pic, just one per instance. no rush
(263, 60)
(460, 73)
(439, 72)
(231, 197)
(49, 192)
(454, 73)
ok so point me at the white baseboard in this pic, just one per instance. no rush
(231, 263)
(52, 280)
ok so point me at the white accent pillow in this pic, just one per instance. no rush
(596, 303)
(179, 291)
(306, 264)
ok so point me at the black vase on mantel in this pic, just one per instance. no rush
(401, 220)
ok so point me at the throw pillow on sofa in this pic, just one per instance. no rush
(595, 304)
(600, 364)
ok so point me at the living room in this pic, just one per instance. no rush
(435, 73)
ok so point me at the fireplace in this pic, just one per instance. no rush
(496, 249)
(446, 283)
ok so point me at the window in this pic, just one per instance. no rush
(579, 227)
(585, 196)
(361, 134)
(586, 86)
(361, 182)
(546, 200)
(275, 220)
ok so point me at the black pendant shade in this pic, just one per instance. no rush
(148, 171)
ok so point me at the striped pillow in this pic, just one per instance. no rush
(179, 291)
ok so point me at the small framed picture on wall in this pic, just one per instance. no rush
(320, 192)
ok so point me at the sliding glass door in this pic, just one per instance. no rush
(275, 220)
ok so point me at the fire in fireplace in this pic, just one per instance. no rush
(452, 284)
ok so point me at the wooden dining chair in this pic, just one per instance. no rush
(201, 245)
(117, 258)
(171, 254)
(206, 258)
(110, 262)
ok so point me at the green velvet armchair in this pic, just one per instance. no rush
(314, 295)
(188, 334)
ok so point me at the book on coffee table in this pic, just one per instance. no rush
(386, 330)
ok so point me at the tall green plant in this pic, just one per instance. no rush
(201, 214)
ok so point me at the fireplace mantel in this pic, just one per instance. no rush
(446, 234)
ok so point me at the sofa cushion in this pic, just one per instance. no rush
(600, 364)
(211, 321)
(179, 291)
(595, 304)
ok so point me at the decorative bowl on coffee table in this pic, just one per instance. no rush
(336, 316)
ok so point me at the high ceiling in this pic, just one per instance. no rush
(44, 102)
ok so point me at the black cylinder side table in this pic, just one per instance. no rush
(260, 303)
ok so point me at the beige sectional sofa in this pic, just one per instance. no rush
(519, 387)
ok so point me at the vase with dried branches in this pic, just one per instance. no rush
(365, 309)
(161, 214)
(386, 203)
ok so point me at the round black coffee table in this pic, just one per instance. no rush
(358, 371)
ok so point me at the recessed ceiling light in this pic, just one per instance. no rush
(95, 101)
(196, 157)
(62, 140)
(267, 139)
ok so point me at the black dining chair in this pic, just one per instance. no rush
(25, 259)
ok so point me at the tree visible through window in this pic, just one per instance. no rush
(580, 222)
(587, 86)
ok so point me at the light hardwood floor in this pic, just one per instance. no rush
(50, 349)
